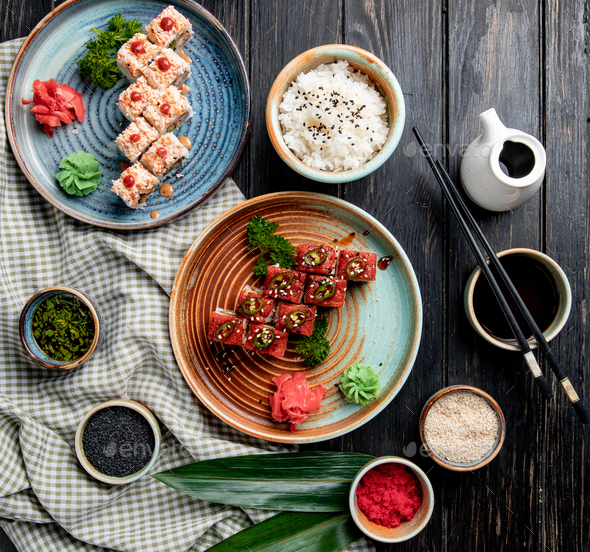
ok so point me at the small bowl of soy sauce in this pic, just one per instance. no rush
(61, 328)
(541, 283)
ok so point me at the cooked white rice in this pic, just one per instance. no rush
(333, 118)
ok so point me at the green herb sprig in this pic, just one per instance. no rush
(63, 327)
(274, 248)
(315, 348)
(100, 62)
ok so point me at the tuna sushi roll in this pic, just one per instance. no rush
(316, 259)
(135, 54)
(168, 110)
(284, 284)
(325, 291)
(134, 140)
(357, 265)
(167, 68)
(266, 340)
(254, 306)
(298, 319)
(134, 99)
(170, 29)
(133, 183)
(164, 154)
(226, 328)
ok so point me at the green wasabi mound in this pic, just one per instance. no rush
(360, 384)
(80, 174)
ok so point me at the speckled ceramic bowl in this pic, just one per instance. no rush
(480, 462)
(365, 62)
(563, 290)
(407, 529)
(28, 339)
(133, 405)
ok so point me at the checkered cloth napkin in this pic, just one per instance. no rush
(47, 501)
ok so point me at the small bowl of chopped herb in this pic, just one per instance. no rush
(61, 328)
(118, 441)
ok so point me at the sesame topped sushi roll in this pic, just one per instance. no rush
(284, 284)
(135, 139)
(254, 306)
(135, 54)
(325, 291)
(168, 110)
(266, 340)
(167, 68)
(357, 265)
(170, 29)
(134, 183)
(299, 319)
(134, 99)
(316, 259)
(164, 154)
(226, 328)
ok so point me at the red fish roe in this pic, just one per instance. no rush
(389, 494)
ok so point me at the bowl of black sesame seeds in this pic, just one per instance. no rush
(118, 441)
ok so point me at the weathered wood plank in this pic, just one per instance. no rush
(408, 37)
(20, 17)
(494, 61)
(567, 516)
(281, 31)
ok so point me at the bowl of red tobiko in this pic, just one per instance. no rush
(391, 499)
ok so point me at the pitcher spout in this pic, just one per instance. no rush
(493, 128)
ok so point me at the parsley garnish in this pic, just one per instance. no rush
(274, 248)
(315, 348)
(100, 62)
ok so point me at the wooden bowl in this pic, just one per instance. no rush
(407, 529)
(366, 63)
(480, 462)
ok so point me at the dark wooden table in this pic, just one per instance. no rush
(530, 60)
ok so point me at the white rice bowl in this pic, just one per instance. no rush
(333, 118)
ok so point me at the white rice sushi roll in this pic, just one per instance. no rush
(135, 54)
(134, 183)
(170, 29)
(134, 99)
(168, 110)
(136, 138)
(164, 154)
(167, 68)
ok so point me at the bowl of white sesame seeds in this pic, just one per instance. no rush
(462, 428)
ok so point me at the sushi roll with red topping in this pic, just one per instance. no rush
(170, 29)
(168, 110)
(325, 291)
(266, 340)
(167, 68)
(135, 98)
(226, 327)
(135, 54)
(357, 265)
(136, 138)
(299, 319)
(164, 154)
(254, 306)
(284, 284)
(316, 259)
(133, 184)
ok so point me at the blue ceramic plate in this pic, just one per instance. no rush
(219, 95)
(379, 325)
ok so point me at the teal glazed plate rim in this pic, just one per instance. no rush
(380, 323)
(219, 93)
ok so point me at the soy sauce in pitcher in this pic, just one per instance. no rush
(536, 286)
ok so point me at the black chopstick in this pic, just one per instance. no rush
(541, 341)
(520, 338)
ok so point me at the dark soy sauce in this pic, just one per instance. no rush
(535, 285)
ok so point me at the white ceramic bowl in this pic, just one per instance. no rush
(407, 529)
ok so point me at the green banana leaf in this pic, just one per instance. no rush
(294, 532)
(299, 482)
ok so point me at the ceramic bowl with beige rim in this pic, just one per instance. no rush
(407, 529)
(366, 63)
(563, 292)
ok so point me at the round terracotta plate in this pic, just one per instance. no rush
(380, 324)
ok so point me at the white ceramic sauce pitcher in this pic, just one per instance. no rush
(503, 167)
